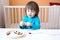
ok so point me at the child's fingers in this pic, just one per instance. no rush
(21, 23)
(29, 24)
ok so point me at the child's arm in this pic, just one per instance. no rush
(36, 24)
(24, 19)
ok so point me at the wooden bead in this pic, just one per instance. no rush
(18, 33)
(29, 32)
(8, 33)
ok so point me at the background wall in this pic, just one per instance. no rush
(40, 2)
(23, 2)
(55, 1)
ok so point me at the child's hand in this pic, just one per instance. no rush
(28, 24)
(22, 23)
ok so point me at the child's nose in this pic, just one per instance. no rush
(30, 12)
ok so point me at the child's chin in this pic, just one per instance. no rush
(30, 17)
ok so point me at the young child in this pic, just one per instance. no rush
(31, 20)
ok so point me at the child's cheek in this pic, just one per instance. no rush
(28, 13)
(33, 14)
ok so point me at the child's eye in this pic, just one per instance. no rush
(33, 11)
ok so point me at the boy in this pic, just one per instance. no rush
(31, 20)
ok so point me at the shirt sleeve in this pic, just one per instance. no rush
(24, 19)
(36, 24)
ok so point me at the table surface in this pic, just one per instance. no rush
(41, 34)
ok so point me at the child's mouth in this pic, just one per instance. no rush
(29, 15)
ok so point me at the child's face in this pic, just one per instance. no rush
(30, 13)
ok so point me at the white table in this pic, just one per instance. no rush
(41, 34)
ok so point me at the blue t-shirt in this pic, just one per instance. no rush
(35, 21)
